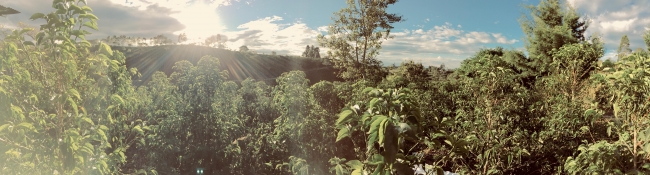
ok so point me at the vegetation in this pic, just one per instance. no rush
(356, 36)
(67, 107)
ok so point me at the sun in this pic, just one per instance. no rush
(201, 20)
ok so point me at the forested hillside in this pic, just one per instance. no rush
(67, 107)
(240, 65)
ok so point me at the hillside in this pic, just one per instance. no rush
(239, 65)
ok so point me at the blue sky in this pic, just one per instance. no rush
(435, 31)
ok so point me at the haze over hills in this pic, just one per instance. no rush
(240, 65)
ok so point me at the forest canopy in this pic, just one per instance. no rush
(69, 106)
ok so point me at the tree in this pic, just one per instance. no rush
(311, 52)
(56, 103)
(210, 41)
(161, 39)
(182, 38)
(243, 48)
(624, 47)
(307, 52)
(628, 151)
(550, 26)
(409, 74)
(646, 39)
(216, 40)
(355, 37)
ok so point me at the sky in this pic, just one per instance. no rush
(435, 32)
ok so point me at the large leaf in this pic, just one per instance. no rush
(376, 159)
(382, 130)
(138, 129)
(339, 170)
(91, 24)
(3, 127)
(355, 164)
(26, 126)
(391, 144)
(37, 16)
(105, 49)
(344, 117)
(374, 130)
(343, 133)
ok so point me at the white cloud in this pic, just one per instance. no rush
(502, 39)
(613, 19)
(442, 44)
(274, 34)
(617, 25)
(190, 13)
(322, 28)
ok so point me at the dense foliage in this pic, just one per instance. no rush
(67, 107)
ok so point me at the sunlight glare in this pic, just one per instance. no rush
(200, 18)
(201, 21)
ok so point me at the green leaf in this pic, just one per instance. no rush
(3, 127)
(344, 117)
(138, 130)
(355, 164)
(379, 169)
(372, 103)
(343, 133)
(357, 172)
(73, 105)
(382, 130)
(102, 134)
(39, 37)
(88, 120)
(74, 93)
(17, 112)
(37, 16)
(91, 24)
(616, 110)
(117, 99)
(76, 9)
(88, 16)
(86, 9)
(339, 170)
(373, 132)
(103, 127)
(376, 159)
(27, 126)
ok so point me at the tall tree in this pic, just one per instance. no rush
(356, 36)
(311, 52)
(549, 26)
(182, 38)
(307, 51)
(58, 107)
(624, 47)
(646, 39)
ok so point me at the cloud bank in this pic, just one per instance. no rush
(613, 19)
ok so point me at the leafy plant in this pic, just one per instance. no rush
(630, 123)
(389, 122)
